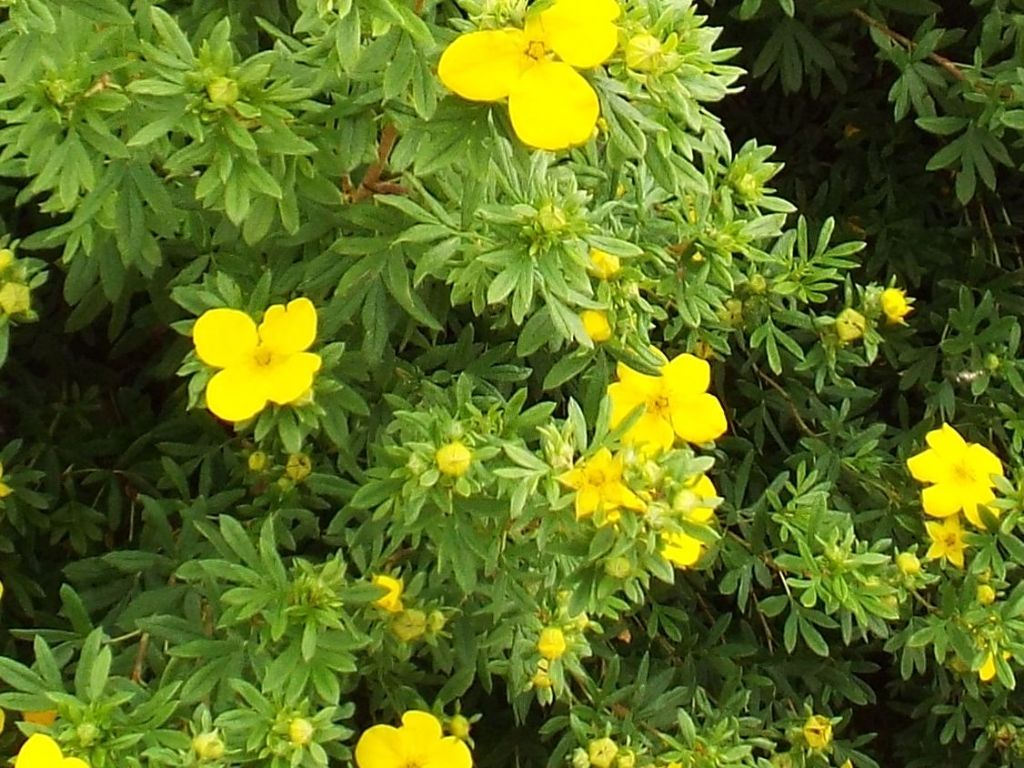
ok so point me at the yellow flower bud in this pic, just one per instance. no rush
(409, 625)
(6, 258)
(818, 732)
(850, 325)
(580, 758)
(895, 305)
(551, 644)
(748, 186)
(86, 733)
(596, 325)
(257, 461)
(551, 218)
(392, 601)
(626, 759)
(602, 752)
(15, 298)
(604, 265)
(208, 746)
(300, 731)
(298, 467)
(618, 567)
(541, 679)
(222, 91)
(453, 459)
(986, 594)
(459, 727)
(644, 54)
(435, 622)
(908, 564)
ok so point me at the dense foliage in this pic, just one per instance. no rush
(624, 383)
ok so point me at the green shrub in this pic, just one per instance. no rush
(387, 382)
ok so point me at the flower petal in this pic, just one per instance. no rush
(449, 753)
(74, 762)
(40, 751)
(681, 550)
(942, 500)
(291, 329)
(699, 419)
(553, 107)
(289, 379)
(974, 496)
(237, 393)
(652, 433)
(224, 337)
(946, 440)
(626, 395)
(687, 375)
(379, 747)
(983, 462)
(930, 466)
(588, 499)
(483, 66)
(581, 32)
(422, 726)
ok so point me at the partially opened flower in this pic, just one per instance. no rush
(598, 485)
(391, 601)
(261, 364)
(41, 751)
(418, 743)
(947, 541)
(676, 403)
(961, 474)
(551, 105)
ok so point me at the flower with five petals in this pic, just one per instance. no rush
(261, 364)
(676, 403)
(551, 105)
(598, 485)
(960, 474)
(418, 743)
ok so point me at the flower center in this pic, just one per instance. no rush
(659, 406)
(597, 478)
(963, 473)
(263, 356)
(950, 541)
(536, 50)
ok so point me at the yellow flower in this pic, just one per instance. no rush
(896, 306)
(850, 325)
(681, 549)
(598, 485)
(392, 601)
(5, 489)
(551, 105)
(453, 459)
(596, 325)
(300, 731)
(602, 752)
(604, 265)
(676, 403)
(41, 751)
(947, 541)
(551, 644)
(986, 594)
(15, 298)
(418, 743)
(818, 732)
(987, 671)
(961, 474)
(268, 363)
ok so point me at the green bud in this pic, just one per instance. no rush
(222, 91)
(409, 625)
(644, 54)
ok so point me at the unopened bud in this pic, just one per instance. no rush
(208, 746)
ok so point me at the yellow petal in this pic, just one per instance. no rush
(40, 751)
(449, 753)
(986, 672)
(291, 329)
(224, 337)
(625, 396)
(74, 762)
(930, 466)
(574, 478)
(588, 499)
(483, 66)
(687, 375)
(652, 433)
(379, 747)
(974, 496)
(236, 394)
(983, 462)
(699, 419)
(942, 500)
(553, 107)
(579, 32)
(946, 440)
(681, 550)
(287, 380)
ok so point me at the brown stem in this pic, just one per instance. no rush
(140, 658)
(909, 44)
(371, 180)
